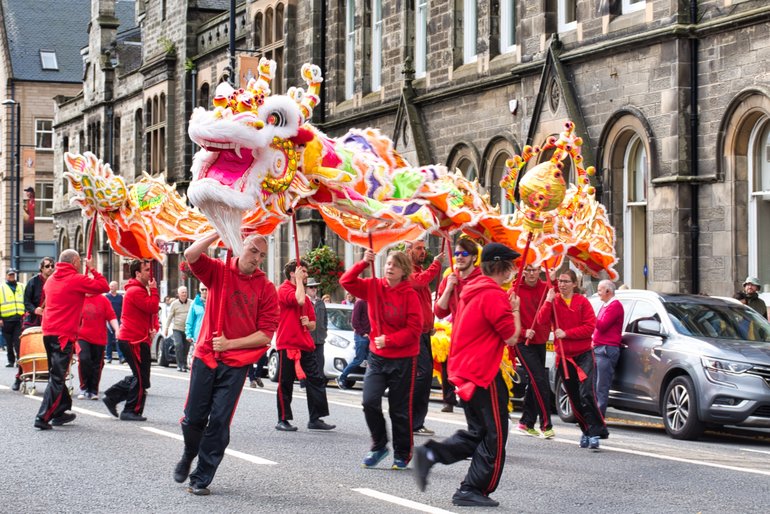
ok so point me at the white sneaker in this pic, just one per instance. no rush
(82, 395)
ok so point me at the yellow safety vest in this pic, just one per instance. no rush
(11, 304)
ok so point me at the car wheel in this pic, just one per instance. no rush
(272, 367)
(162, 358)
(680, 411)
(563, 406)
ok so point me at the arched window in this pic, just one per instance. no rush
(635, 180)
(468, 169)
(204, 96)
(269, 40)
(496, 193)
(464, 157)
(759, 201)
(138, 139)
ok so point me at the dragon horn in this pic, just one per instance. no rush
(312, 75)
(266, 70)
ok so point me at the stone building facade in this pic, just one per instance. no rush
(672, 100)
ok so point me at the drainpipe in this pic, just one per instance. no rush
(693, 153)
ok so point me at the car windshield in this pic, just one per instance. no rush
(718, 321)
(339, 319)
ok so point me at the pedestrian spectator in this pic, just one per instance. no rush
(116, 300)
(11, 318)
(176, 318)
(256, 371)
(92, 339)
(573, 321)
(606, 341)
(487, 321)
(246, 304)
(137, 330)
(349, 299)
(65, 293)
(751, 287)
(396, 321)
(531, 354)
(465, 254)
(320, 331)
(361, 330)
(296, 352)
(34, 299)
(192, 326)
(327, 298)
(420, 280)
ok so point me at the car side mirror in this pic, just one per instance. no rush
(649, 327)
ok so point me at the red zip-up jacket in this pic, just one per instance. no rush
(65, 292)
(454, 300)
(420, 280)
(576, 319)
(483, 323)
(140, 313)
(393, 311)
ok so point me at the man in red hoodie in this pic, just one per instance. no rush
(139, 323)
(487, 320)
(465, 269)
(420, 280)
(238, 324)
(296, 352)
(65, 292)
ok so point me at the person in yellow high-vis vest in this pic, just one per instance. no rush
(11, 316)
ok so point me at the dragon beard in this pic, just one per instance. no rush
(223, 207)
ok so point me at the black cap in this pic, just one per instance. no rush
(497, 252)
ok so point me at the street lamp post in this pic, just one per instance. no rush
(15, 182)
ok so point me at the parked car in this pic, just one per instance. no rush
(696, 361)
(162, 348)
(339, 349)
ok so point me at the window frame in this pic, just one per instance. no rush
(377, 33)
(629, 6)
(47, 55)
(421, 38)
(757, 195)
(470, 31)
(41, 200)
(507, 26)
(350, 48)
(42, 133)
(562, 25)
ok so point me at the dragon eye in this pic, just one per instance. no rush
(277, 119)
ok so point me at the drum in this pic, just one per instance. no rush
(32, 356)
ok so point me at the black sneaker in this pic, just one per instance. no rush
(64, 418)
(198, 490)
(320, 424)
(182, 470)
(42, 425)
(341, 384)
(285, 426)
(131, 416)
(111, 405)
(422, 465)
(16, 385)
(472, 499)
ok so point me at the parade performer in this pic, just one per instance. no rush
(92, 340)
(573, 321)
(138, 327)
(296, 352)
(487, 320)
(396, 321)
(65, 293)
(245, 304)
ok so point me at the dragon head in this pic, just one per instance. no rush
(249, 157)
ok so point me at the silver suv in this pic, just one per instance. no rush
(696, 361)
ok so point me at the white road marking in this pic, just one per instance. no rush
(401, 501)
(234, 453)
(756, 451)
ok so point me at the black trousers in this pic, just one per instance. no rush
(398, 376)
(537, 396)
(211, 403)
(133, 388)
(484, 441)
(422, 382)
(447, 389)
(315, 386)
(90, 363)
(11, 334)
(320, 360)
(582, 394)
(56, 399)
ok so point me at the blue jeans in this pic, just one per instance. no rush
(112, 343)
(606, 360)
(362, 352)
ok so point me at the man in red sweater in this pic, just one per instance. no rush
(296, 352)
(238, 324)
(65, 292)
(448, 296)
(487, 320)
(531, 354)
(139, 323)
(606, 342)
(420, 280)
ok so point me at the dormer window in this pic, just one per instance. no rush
(48, 60)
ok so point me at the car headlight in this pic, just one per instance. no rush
(338, 341)
(724, 366)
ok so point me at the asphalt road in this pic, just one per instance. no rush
(100, 464)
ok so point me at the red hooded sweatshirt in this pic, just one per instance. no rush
(250, 305)
(140, 313)
(576, 319)
(393, 311)
(291, 334)
(65, 292)
(483, 323)
(454, 300)
(530, 300)
(420, 281)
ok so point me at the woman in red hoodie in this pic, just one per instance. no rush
(396, 319)
(573, 321)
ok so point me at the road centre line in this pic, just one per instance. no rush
(421, 507)
(234, 453)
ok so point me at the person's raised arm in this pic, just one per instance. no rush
(200, 247)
